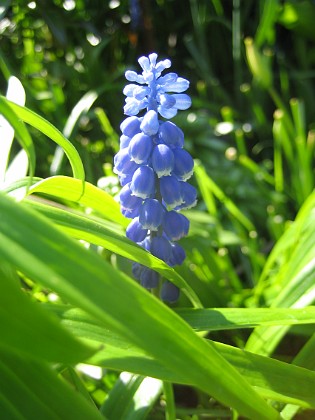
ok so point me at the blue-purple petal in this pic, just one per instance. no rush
(140, 148)
(128, 200)
(150, 123)
(123, 164)
(171, 191)
(149, 278)
(143, 182)
(183, 164)
(151, 214)
(130, 126)
(175, 225)
(137, 270)
(144, 63)
(178, 255)
(169, 292)
(178, 86)
(135, 231)
(189, 196)
(161, 248)
(167, 112)
(171, 135)
(162, 160)
(183, 101)
(124, 141)
(167, 101)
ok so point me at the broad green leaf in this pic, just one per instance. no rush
(44, 254)
(263, 373)
(99, 233)
(50, 131)
(233, 318)
(70, 189)
(30, 389)
(28, 329)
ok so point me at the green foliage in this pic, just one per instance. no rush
(241, 338)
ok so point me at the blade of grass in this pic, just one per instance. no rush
(50, 131)
(205, 182)
(32, 387)
(70, 189)
(80, 108)
(265, 30)
(28, 329)
(305, 358)
(262, 372)
(234, 318)
(170, 408)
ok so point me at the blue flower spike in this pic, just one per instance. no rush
(153, 168)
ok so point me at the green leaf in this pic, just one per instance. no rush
(258, 64)
(265, 374)
(208, 186)
(304, 358)
(30, 389)
(50, 131)
(70, 189)
(29, 329)
(233, 318)
(266, 27)
(100, 233)
(46, 255)
(81, 107)
(21, 132)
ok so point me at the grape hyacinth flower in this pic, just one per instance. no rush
(153, 168)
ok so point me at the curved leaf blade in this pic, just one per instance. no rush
(38, 392)
(21, 131)
(96, 232)
(46, 255)
(50, 131)
(29, 329)
(261, 372)
(70, 189)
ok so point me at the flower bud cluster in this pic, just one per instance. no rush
(153, 168)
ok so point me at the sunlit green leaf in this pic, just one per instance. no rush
(50, 131)
(262, 372)
(28, 329)
(46, 255)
